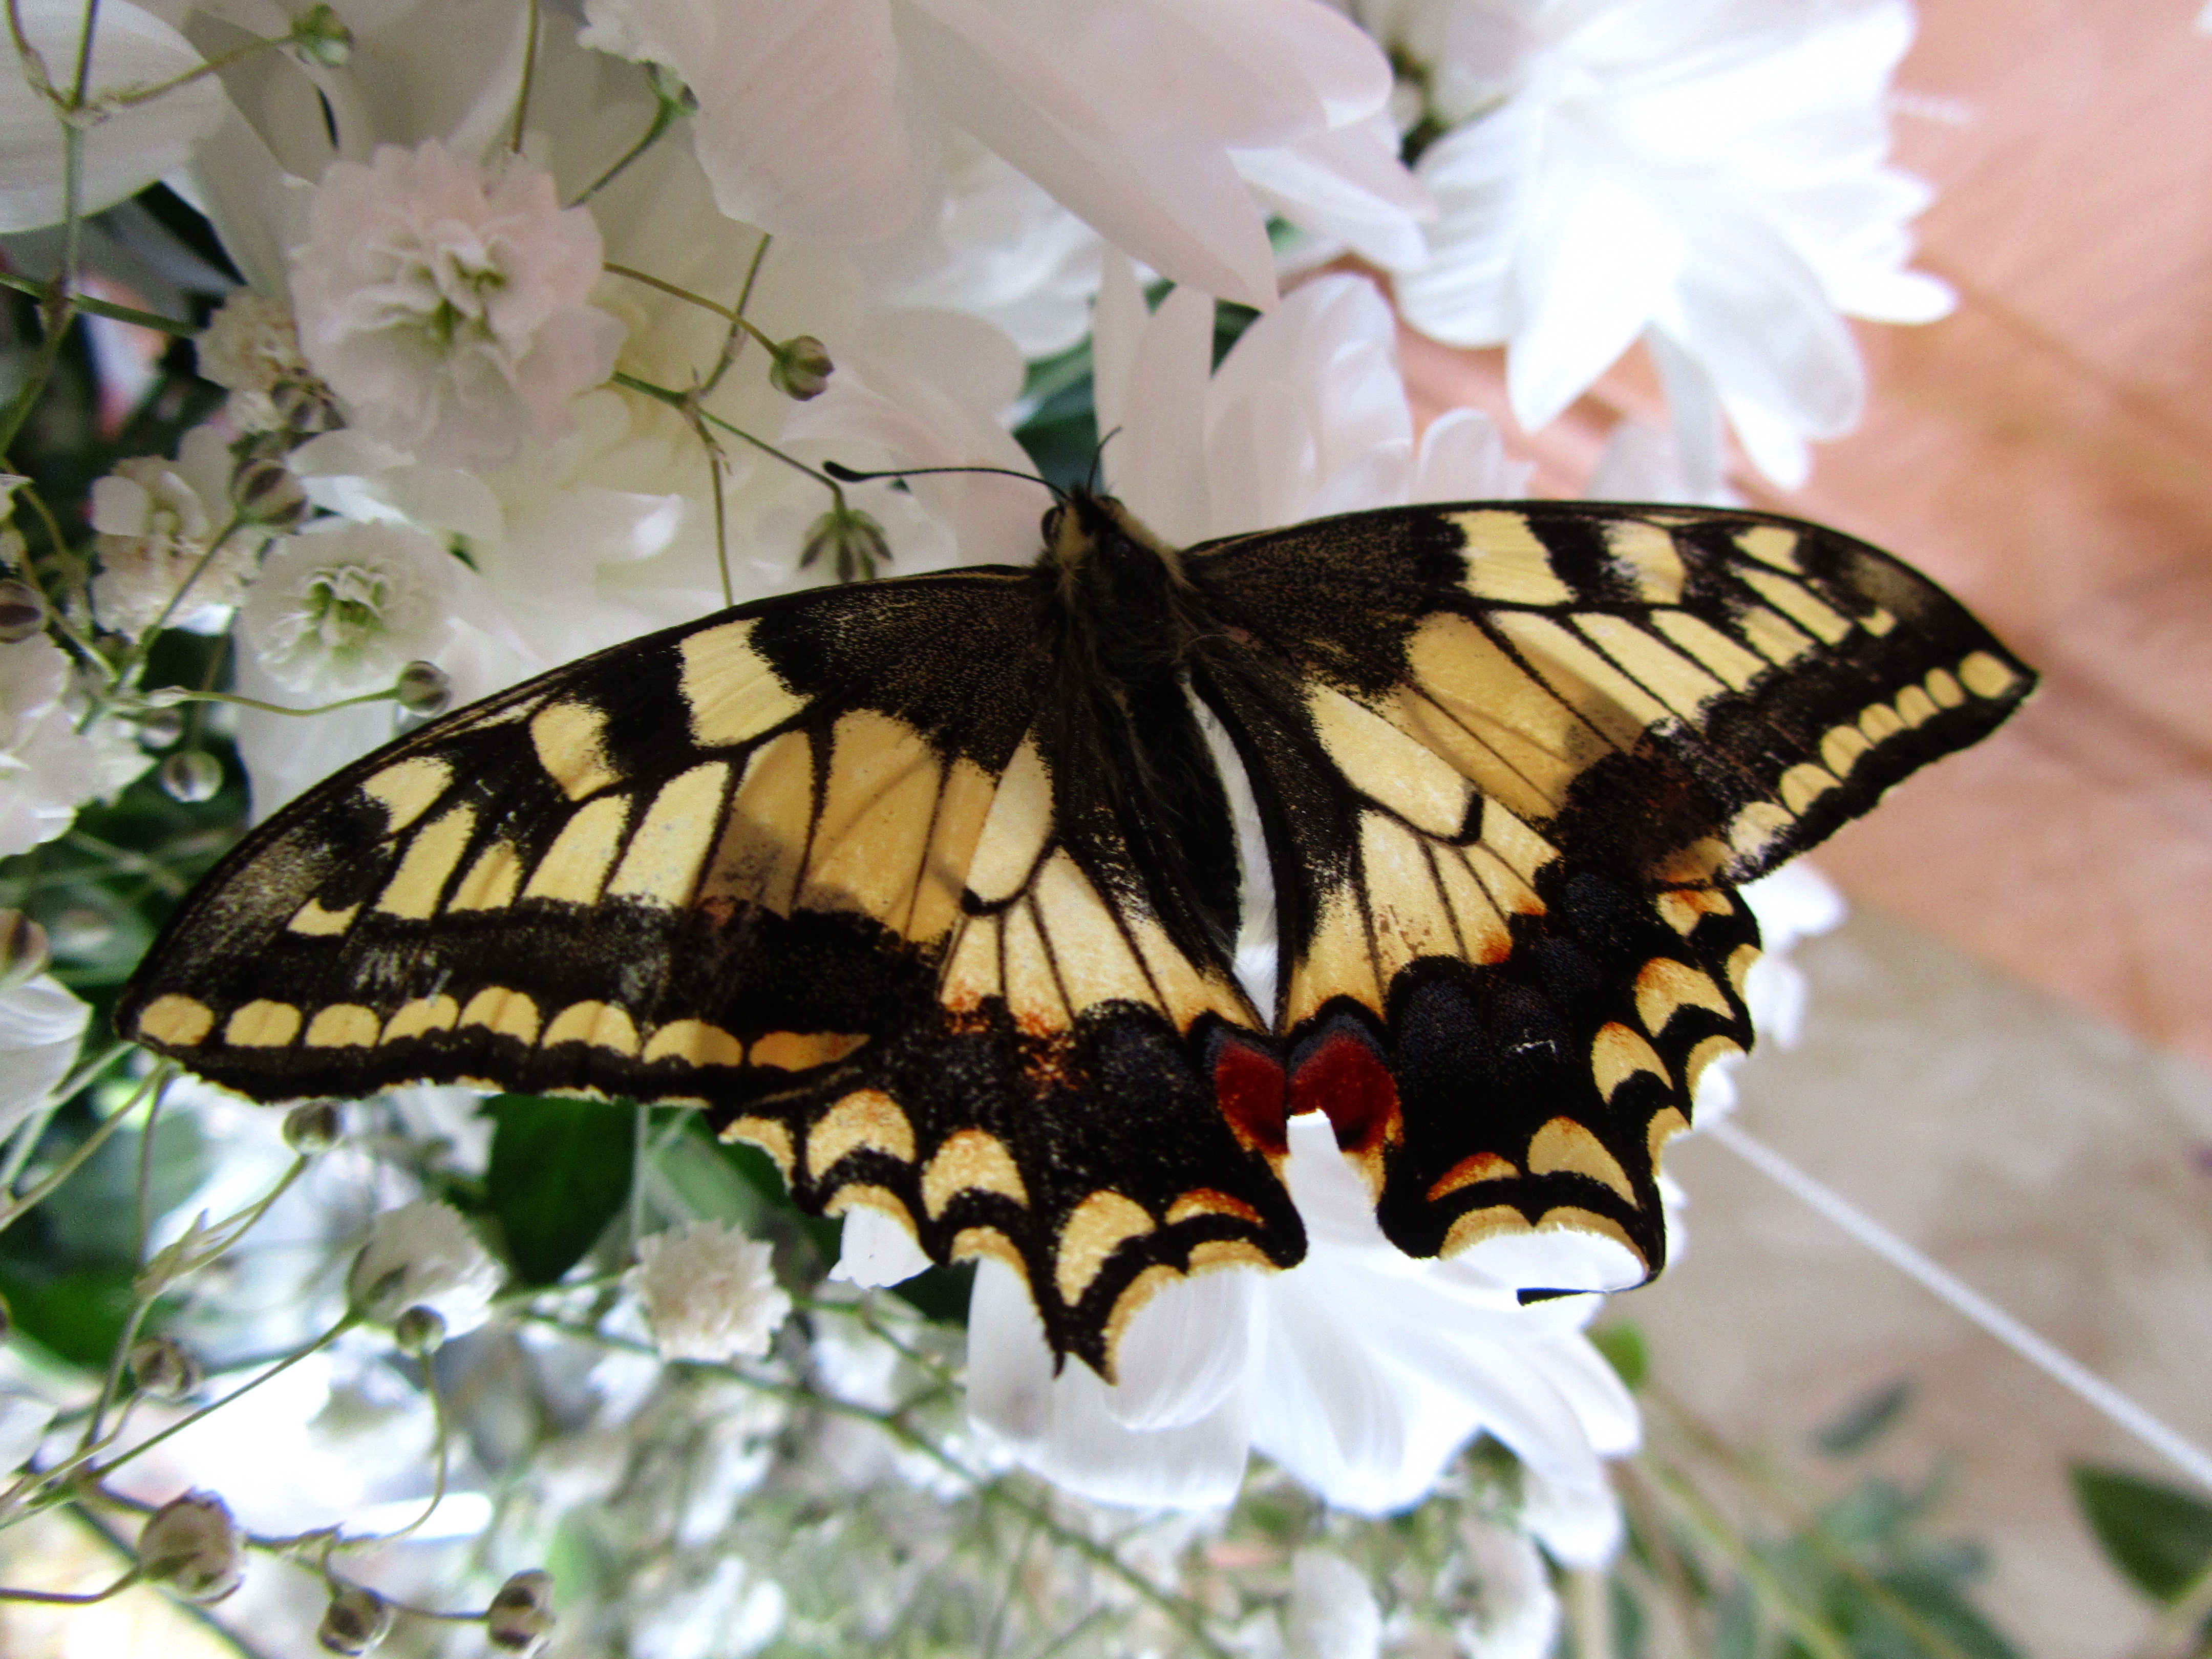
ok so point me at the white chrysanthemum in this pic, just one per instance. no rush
(1713, 173)
(48, 769)
(340, 608)
(42, 1022)
(446, 304)
(1332, 1613)
(424, 1255)
(156, 520)
(1154, 121)
(708, 1292)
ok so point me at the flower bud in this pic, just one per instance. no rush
(321, 37)
(356, 1619)
(191, 1547)
(24, 950)
(23, 612)
(420, 1332)
(522, 1612)
(160, 727)
(264, 492)
(424, 688)
(856, 540)
(801, 368)
(313, 1127)
(306, 406)
(191, 776)
(165, 1368)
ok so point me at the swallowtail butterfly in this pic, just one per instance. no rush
(929, 886)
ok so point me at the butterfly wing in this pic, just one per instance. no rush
(1510, 759)
(830, 867)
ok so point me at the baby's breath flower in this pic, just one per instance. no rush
(424, 1255)
(709, 1292)
(250, 344)
(191, 1545)
(338, 612)
(156, 520)
(47, 768)
(1333, 1612)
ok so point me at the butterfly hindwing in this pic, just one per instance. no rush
(1510, 756)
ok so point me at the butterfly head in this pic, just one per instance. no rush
(1084, 527)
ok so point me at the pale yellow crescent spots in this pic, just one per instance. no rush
(574, 867)
(503, 1012)
(694, 1043)
(344, 1025)
(1879, 720)
(1773, 636)
(764, 843)
(1770, 544)
(1015, 830)
(1799, 604)
(1094, 961)
(175, 1019)
(1213, 1254)
(1100, 1225)
(961, 807)
(1683, 907)
(416, 886)
(877, 810)
(1033, 995)
(1667, 674)
(866, 1195)
(1504, 886)
(1985, 676)
(421, 1016)
(1472, 1171)
(731, 692)
(770, 1136)
(262, 1024)
(866, 1118)
(1205, 1202)
(578, 1092)
(601, 1024)
(408, 790)
(1915, 706)
(1505, 561)
(689, 1102)
(1665, 987)
(1493, 719)
(1583, 678)
(1388, 767)
(317, 922)
(1803, 784)
(1841, 747)
(1943, 686)
(490, 882)
(1756, 826)
(1572, 1218)
(1563, 1146)
(1704, 1055)
(1736, 667)
(1514, 841)
(1472, 1228)
(1666, 1123)
(1739, 965)
(1483, 936)
(970, 1161)
(972, 974)
(1686, 867)
(1405, 909)
(802, 1051)
(571, 742)
(1647, 557)
(1187, 992)
(661, 864)
(1337, 961)
(989, 1241)
(1878, 621)
(1617, 1053)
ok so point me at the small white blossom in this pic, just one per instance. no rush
(341, 608)
(191, 1545)
(446, 304)
(709, 1292)
(424, 1255)
(48, 769)
(41, 1023)
(1333, 1614)
(156, 520)
(250, 344)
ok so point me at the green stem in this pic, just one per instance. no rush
(664, 116)
(93, 1142)
(127, 96)
(670, 288)
(63, 1598)
(56, 315)
(41, 81)
(279, 708)
(85, 54)
(176, 598)
(734, 341)
(1818, 1639)
(46, 293)
(438, 1481)
(529, 77)
(57, 617)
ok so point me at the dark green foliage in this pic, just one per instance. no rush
(1864, 1421)
(2160, 1538)
(560, 1171)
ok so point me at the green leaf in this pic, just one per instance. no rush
(77, 1317)
(2161, 1539)
(1625, 1351)
(1865, 1420)
(560, 1171)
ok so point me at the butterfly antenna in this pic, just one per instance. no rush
(844, 474)
(1098, 462)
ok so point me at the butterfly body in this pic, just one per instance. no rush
(931, 886)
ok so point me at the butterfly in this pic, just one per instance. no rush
(930, 887)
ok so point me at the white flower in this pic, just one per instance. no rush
(1714, 173)
(156, 520)
(47, 768)
(126, 150)
(446, 304)
(424, 1255)
(826, 118)
(709, 1292)
(1793, 903)
(875, 1249)
(41, 1024)
(1332, 1613)
(1518, 1616)
(338, 611)
(250, 344)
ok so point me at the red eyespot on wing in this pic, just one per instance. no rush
(1248, 1086)
(1347, 1080)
